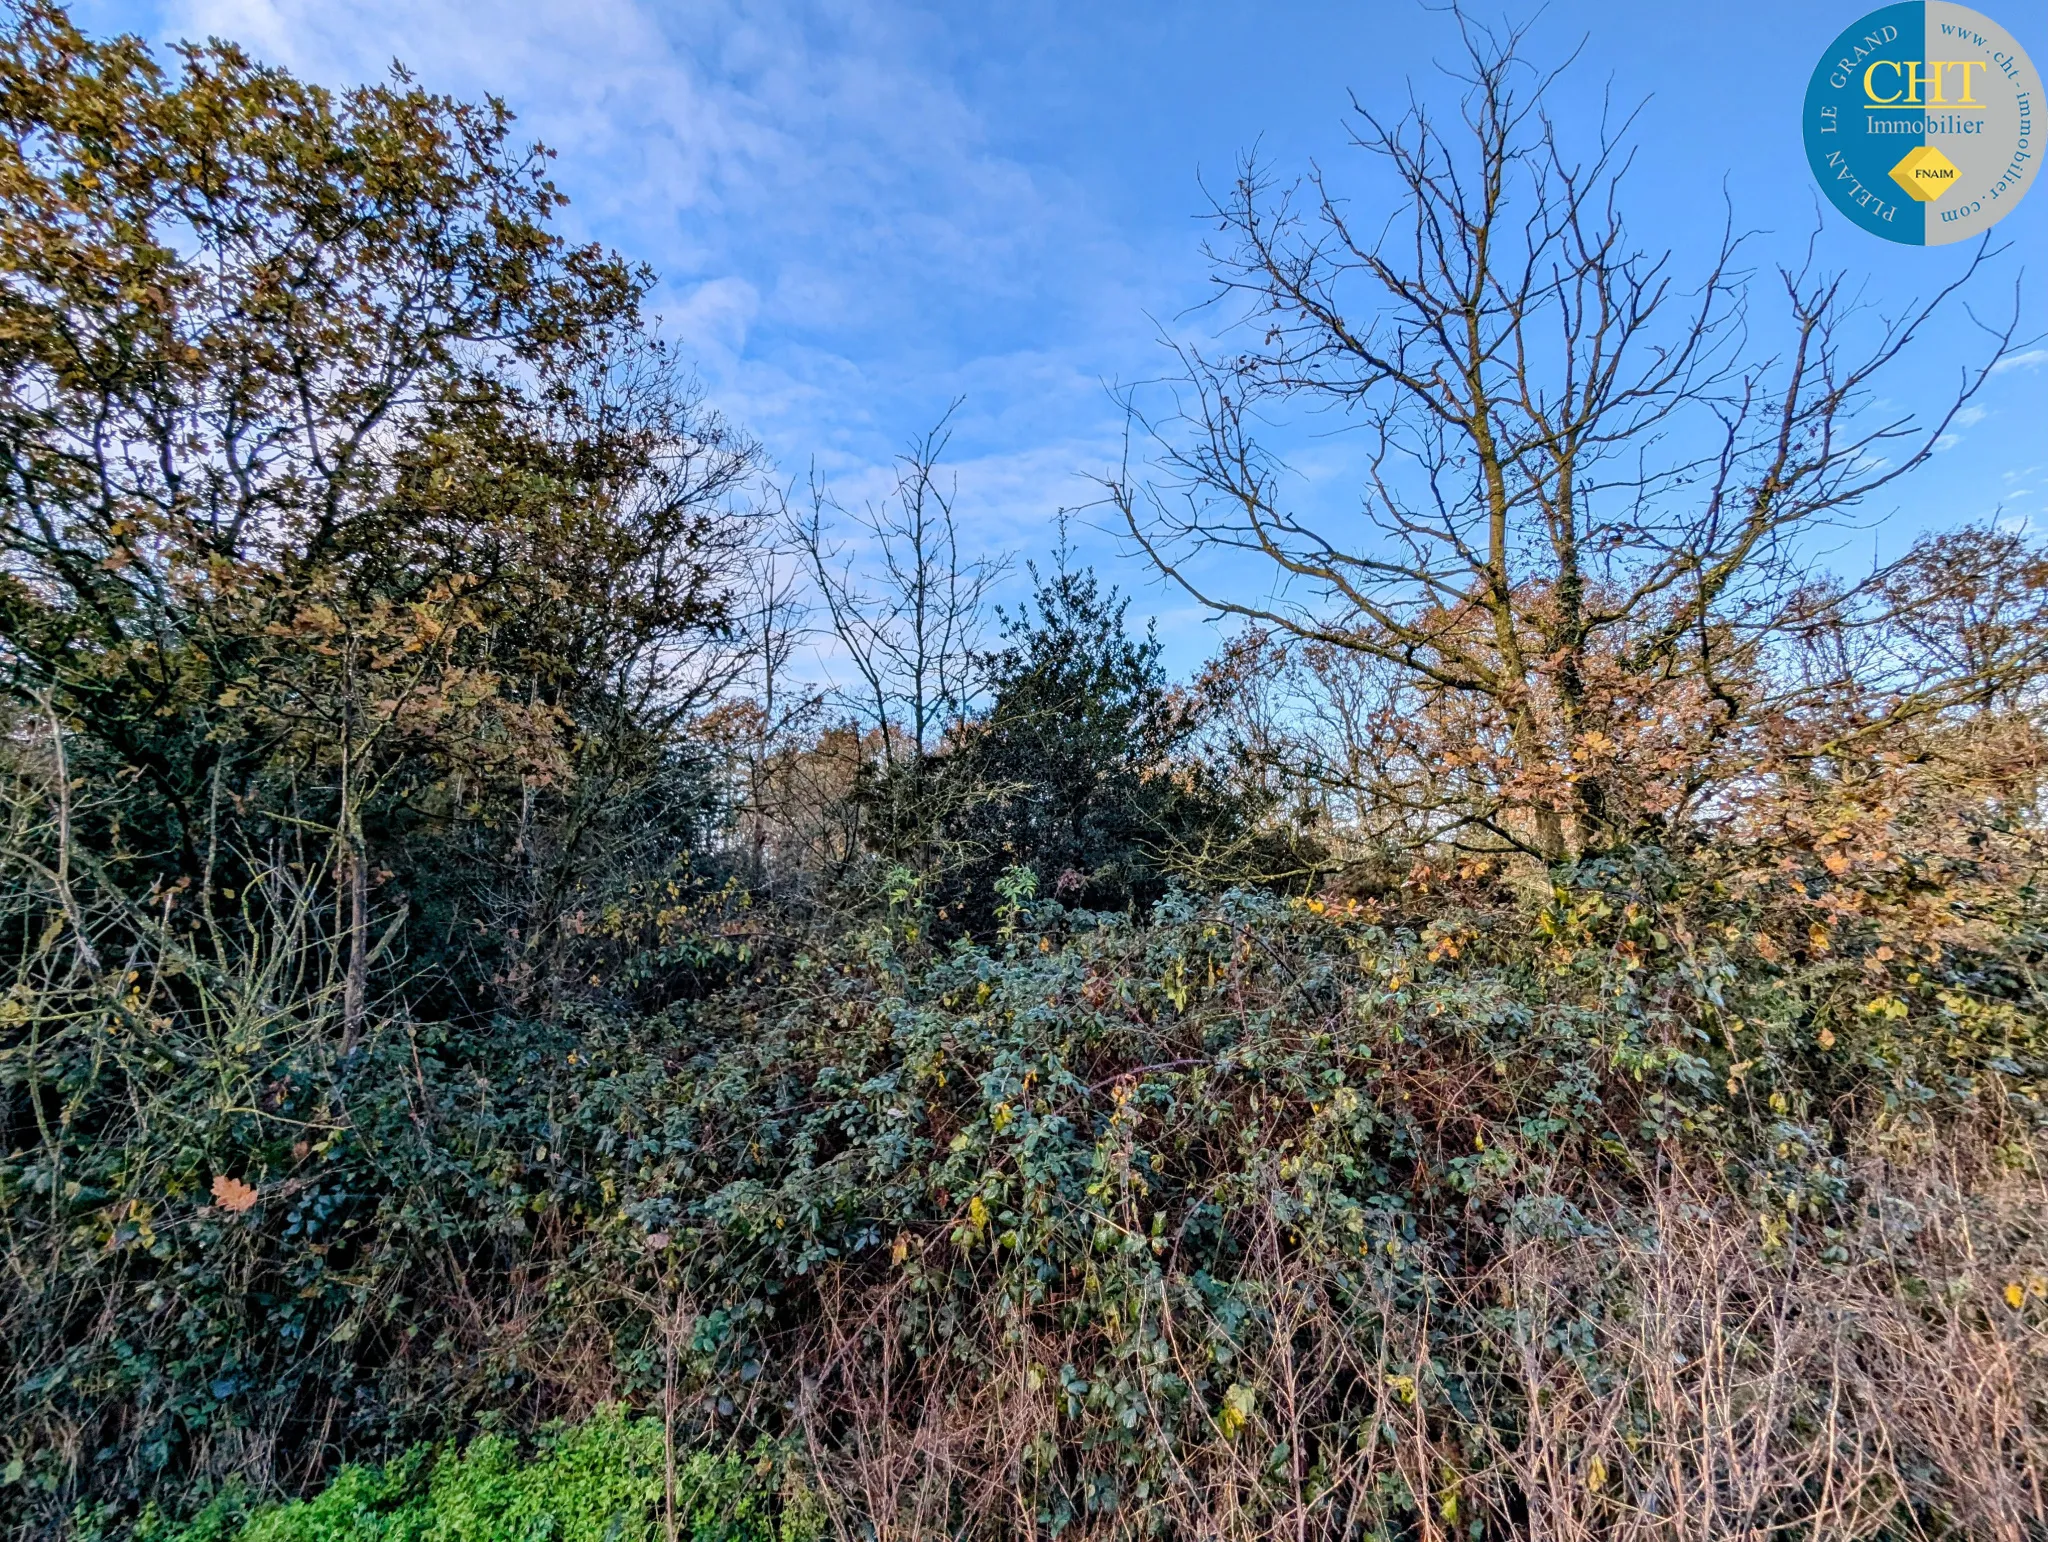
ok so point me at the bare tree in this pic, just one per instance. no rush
(773, 708)
(1579, 534)
(904, 611)
(905, 607)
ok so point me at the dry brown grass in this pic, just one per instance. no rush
(1662, 1369)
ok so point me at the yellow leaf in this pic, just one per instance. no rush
(1596, 1475)
(977, 1212)
(2015, 1296)
(1817, 937)
(1239, 1404)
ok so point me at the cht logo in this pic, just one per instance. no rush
(1922, 122)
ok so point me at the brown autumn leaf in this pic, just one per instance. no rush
(232, 1194)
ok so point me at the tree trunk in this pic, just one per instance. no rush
(356, 979)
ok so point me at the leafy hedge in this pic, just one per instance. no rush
(1290, 1204)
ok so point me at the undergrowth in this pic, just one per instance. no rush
(601, 1481)
(1663, 1201)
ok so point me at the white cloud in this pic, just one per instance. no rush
(841, 251)
(1969, 417)
(713, 317)
(2032, 358)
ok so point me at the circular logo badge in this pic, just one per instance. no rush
(1922, 122)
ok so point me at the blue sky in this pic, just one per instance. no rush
(863, 210)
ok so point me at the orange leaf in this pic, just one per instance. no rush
(233, 1194)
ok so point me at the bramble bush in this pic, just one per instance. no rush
(1667, 1196)
(1268, 1216)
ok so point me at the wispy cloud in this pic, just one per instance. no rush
(841, 250)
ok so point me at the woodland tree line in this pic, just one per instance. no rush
(1541, 1036)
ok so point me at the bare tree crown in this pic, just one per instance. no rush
(1586, 474)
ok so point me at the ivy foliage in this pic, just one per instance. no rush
(1090, 1161)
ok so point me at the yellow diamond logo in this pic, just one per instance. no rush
(1925, 173)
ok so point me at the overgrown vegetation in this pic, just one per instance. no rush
(1545, 1048)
